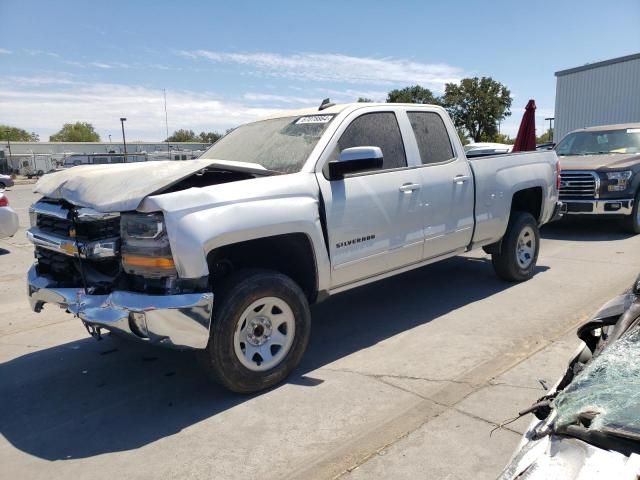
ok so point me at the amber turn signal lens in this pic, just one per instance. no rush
(148, 262)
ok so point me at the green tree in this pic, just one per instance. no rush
(183, 135)
(76, 132)
(209, 137)
(502, 138)
(414, 94)
(463, 136)
(546, 137)
(15, 134)
(477, 105)
(364, 100)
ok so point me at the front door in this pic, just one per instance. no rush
(374, 219)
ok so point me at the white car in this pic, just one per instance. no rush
(5, 181)
(8, 218)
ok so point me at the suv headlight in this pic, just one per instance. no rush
(619, 181)
(145, 245)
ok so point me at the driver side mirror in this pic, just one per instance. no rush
(355, 159)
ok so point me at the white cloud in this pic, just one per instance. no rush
(34, 53)
(4, 51)
(280, 99)
(100, 65)
(44, 110)
(330, 67)
(54, 79)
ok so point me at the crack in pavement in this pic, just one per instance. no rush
(360, 449)
(390, 375)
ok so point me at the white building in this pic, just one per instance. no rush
(14, 156)
(601, 93)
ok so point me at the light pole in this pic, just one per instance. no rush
(550, 119)
(124, 141)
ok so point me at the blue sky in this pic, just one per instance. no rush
(224, 63)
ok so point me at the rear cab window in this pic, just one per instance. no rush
(432, 137)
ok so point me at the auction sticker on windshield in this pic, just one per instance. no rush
(315, 119)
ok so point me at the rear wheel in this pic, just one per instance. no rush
(259, 332)
(2, 186)
(518, 255)
(632, 222)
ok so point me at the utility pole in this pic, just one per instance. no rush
(166, 122)
(124, 141)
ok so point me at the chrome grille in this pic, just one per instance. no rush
(578, 184)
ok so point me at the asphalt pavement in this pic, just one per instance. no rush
(404, 378)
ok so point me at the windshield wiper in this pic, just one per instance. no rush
(620, 440)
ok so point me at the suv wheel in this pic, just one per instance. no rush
(260, 330)
(520, 246)
(632, 222)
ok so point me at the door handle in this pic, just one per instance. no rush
(460, 179)
(409, 187)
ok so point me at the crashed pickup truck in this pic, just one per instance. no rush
(601, 173)
(226, 253)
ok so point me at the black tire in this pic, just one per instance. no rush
(632, 222)
(2, 186)
(230, 301)
(506, 263)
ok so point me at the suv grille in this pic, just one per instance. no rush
(578, 184)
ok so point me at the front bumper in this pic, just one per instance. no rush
(618, 207)
(558, 212)
(179, 321)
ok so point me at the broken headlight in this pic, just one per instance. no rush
(145, 245)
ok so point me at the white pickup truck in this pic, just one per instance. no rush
(225, 253)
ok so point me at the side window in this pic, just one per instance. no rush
(432, 137)
(376, 130)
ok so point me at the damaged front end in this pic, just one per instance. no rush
(588, 426)
(115, 271)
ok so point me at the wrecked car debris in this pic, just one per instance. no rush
(588, 425)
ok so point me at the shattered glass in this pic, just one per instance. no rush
(608, 386)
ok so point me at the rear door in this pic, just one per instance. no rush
(448, 192)
(374, 219)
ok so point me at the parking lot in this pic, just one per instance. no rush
(404, 378)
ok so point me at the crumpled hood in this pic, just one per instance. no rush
(121, 187)
(614, 161)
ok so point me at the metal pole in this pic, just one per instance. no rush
(166, 123)
(124, 141)
(551, 119)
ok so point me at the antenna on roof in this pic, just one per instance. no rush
(326, 103)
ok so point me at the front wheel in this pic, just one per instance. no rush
(518, 255)
(259, 332)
